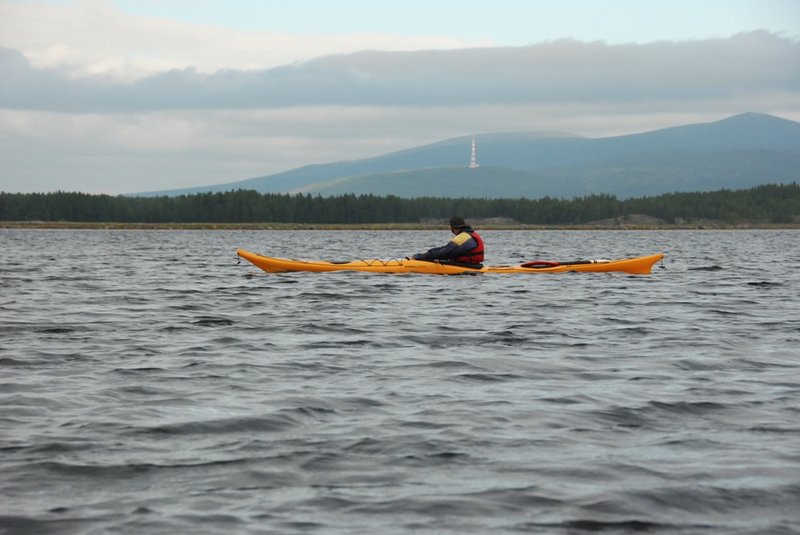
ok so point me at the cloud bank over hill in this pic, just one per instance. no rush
(566, 72)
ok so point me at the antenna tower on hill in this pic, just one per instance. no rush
(473, 159)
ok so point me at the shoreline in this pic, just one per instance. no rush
(604, 225)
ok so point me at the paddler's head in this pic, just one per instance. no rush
(457, 223)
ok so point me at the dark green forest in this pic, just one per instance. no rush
(768, 204)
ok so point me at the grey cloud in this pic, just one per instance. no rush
(558, 72)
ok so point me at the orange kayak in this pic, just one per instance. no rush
(641, 265)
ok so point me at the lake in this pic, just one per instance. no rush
(149, 383)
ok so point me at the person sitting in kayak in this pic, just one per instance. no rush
(466, 247)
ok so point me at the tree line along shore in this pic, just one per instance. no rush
(768, 206)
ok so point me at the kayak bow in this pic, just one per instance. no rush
(636, 266)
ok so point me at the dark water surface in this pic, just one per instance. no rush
(149, 384)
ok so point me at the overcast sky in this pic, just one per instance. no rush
(107, 96)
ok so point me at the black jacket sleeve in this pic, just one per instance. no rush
(448, 251)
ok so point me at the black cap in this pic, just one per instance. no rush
(457, 222)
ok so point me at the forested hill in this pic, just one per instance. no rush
(735, 153)
(769, 204)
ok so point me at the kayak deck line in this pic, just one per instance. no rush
(641, 265)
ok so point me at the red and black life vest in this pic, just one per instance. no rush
(475, 255)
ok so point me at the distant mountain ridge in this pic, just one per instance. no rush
(738, 152)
